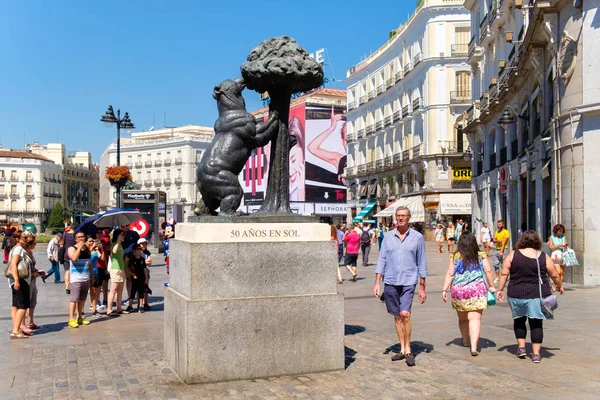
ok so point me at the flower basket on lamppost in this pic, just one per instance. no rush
(118, 176)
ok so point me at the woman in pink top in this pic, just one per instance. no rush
(352, 240)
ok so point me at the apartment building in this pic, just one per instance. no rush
(404, 102)
(162, 159)
(536, 102)
(80, 183)
(30, 185)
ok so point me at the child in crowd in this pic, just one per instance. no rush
(139, 278)
(147, 256)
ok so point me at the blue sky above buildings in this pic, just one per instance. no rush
(63, 62)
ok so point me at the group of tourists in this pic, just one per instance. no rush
(355, 238)
(469, 279)
(449, 233)
(119, 257)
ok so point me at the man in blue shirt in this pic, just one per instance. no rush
(401, 263)
(340, 236)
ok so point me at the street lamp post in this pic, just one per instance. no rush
(125, 123)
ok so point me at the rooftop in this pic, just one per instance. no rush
(10, 153)
(323, 92)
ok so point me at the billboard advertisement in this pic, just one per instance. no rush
(317, 159)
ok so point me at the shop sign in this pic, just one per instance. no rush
(461, 173)
(138, 196)
(331, 209)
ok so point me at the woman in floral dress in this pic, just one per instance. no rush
(465, 278)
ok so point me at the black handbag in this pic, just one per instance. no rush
(548, 303)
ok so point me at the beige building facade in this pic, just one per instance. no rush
(162, 159)
(536, 103)
(404, 102)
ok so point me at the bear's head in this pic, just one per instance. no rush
(229, 95)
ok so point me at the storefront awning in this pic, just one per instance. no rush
(364, 211)
(414, 204)
(455, 203)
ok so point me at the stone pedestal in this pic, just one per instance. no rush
(253, 300)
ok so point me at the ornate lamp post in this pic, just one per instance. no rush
(109, 118)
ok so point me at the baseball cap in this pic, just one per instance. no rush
(142, 240)
(59, 235)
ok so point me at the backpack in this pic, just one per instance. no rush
(365, 237)
(61, 254)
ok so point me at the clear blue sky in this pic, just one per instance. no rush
(63, 62)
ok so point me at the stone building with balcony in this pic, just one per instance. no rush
(404, 104)
(30, 185)
(80, 181)
(162, 159)
(536, 102)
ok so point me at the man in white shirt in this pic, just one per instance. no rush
(52, 253)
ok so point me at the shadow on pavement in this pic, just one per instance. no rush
(348, 356)
(51, 328)
(483, 343)
(545, 351)
(157, 303)
(353, 329)
(416, 347)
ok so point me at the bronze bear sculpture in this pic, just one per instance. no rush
(237, 133)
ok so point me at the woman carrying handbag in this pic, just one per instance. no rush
(528, 268)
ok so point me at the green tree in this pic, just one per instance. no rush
(55, 221)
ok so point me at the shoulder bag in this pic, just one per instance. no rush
(490, 297)
(569, 258)
(23, 269)
(548, 303)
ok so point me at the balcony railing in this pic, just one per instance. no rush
(2, 178)
(460, 97)
(503, 156)
(447, 147)
(167, 162)
(407, 68)
(417, 58)
(493, 12)
(396, 115)
(483, 29)
(157, 163)
(389, 83)
(417, 151)
(387, 121)
(472, 46)
(29, 178)
(362, 169)
(3, 195)
(178, 161)
(398, 76)
(416, 104)
(369, 130)
(484, 101)
(148, 163)
(405, 111)
(379, 165)
(397, 158)
(29, 195)
(157, 182)
(388, 162)
(350, 171)
(147, 182)
(372, 94)
(380, 89)
(178, 181)
(493, 91)
(378, 125)
(167, 182)
(14, 195)
(371, 166)
(362, 100)
(129, 164)
(360, 133)
(138, 164)
(460, 50)
(405, 155)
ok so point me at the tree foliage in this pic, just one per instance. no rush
(55, 221)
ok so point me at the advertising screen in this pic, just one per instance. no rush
(317, 159)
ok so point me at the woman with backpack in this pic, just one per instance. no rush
(366, 239)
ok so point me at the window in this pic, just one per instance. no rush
(29, 175)
(29, 190)
(2, 205)
(13, 205)
(198, 156)
(461, 36)
(463, 85)
(158, 174)
(1, 189)
(168, 173)
(139, 157)
(13, 189)
(29, 205)
(139, 176)
(13, 175)
(158, 156)
(168, 155)
(129, 159)
(179, 172)
(179, 154)
(148, 156)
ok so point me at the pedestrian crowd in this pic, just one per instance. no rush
(102, 264)
(469, 284)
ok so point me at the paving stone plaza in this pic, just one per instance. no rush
(123, 357)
